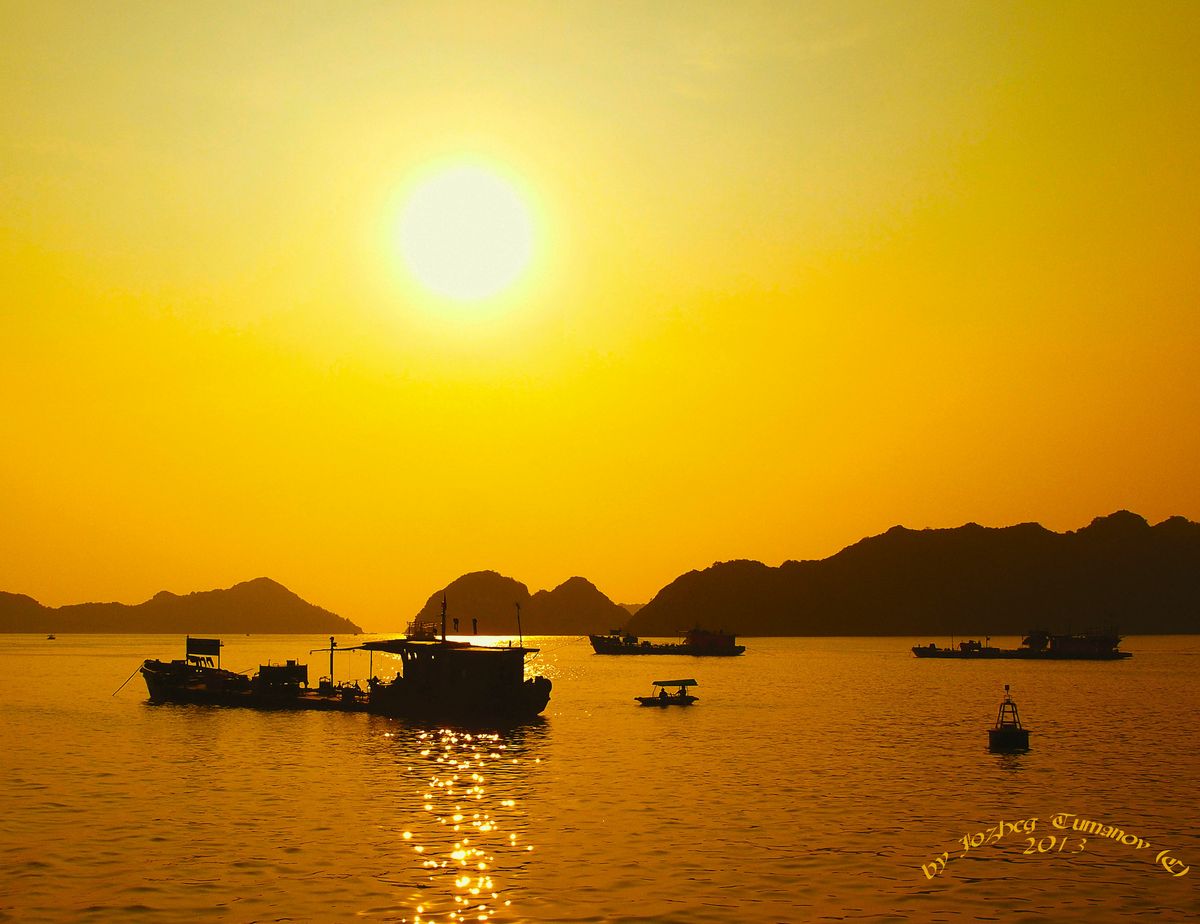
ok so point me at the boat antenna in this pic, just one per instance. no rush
(443, 616)
(520, 637)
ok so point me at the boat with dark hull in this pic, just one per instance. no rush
(662, 699)
(440, 680)
(444, 679)
(197, 679)
(696, 642)
(1038, 645)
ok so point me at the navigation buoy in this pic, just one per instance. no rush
(1008, 735)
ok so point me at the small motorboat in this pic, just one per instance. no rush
(681, 696)
(1008, 735)
(51, 637)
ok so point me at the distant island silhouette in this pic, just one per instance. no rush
(574, 607)
(260, 605)
(1118, 572)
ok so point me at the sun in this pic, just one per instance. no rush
(465, 233)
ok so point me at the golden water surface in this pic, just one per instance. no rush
(815, 779)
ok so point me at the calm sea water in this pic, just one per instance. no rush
(816, 779)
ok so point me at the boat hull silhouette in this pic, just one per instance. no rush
(696, 642)
(441, 680)
(183, 683)
(1036, 646)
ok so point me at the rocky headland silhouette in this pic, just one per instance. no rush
(1119, 573)
(260, 605)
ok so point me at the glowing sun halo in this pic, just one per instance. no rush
(465, 234)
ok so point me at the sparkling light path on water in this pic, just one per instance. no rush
(465, 827)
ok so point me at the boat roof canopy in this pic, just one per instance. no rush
(675, 683)
(401, 645)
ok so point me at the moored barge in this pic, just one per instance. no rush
(1038, 645)
(697, 642)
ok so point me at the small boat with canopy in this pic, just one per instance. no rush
(662, 696)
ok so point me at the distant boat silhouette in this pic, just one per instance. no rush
(1038, 645)
(697, 642)
(417, 629)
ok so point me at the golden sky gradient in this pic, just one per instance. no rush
(802, 271)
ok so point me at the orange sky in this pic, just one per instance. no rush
(801, 272)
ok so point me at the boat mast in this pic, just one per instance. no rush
(443, 616)
(332, 646)
(520, 637)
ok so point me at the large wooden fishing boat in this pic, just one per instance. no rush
(445, 679)
(440, 680)
(698, 642)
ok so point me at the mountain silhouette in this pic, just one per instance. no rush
(260, 605)
(1118, 572)
(574, 607)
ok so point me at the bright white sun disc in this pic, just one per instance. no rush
(465, 234)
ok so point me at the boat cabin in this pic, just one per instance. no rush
(292, 675)
(457, 677)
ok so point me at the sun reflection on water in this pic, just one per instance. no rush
(464, 839)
